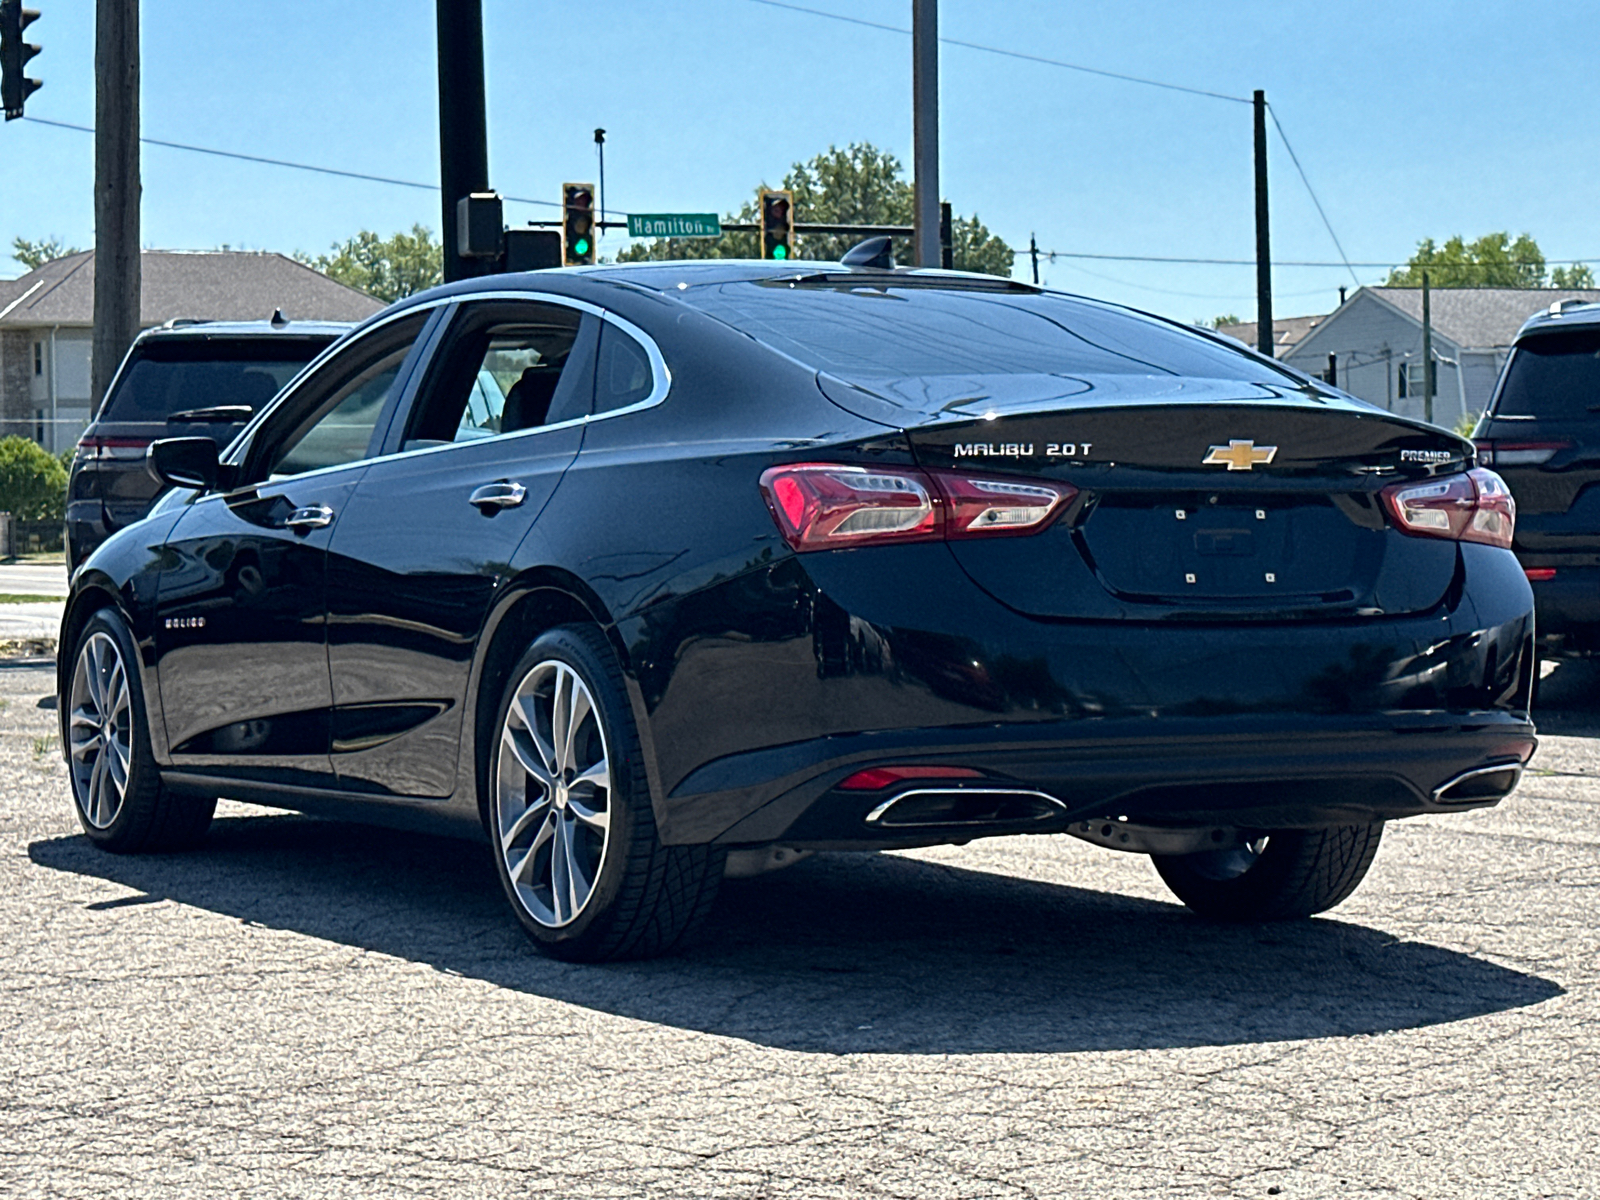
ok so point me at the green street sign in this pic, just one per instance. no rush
(677, 225)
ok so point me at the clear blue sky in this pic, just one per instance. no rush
(1412, 119)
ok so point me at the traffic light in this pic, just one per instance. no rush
(777, 225)
(577, 224)
(15, 87)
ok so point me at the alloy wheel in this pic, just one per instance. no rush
(553, 794)
(100, 730)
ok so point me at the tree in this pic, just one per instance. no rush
(33, 483)
(859, 185)
(34, 255)
(387, 269)
(1493, 260)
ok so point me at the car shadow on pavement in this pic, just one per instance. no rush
(844, 953)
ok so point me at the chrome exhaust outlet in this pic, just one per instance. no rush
(1481, 785)
(955, 808)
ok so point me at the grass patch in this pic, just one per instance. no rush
(26, 598)
(27, 647)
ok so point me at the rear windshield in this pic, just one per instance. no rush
(873, 333)
(1553, 376)
(174, 374)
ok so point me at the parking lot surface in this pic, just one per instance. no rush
(315, 1009)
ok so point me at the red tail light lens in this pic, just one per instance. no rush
(831, 506)
(1475, 506)
(1539, 574)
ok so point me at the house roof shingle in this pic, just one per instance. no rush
(222, 285)
(1478, 318)
(1287, 332)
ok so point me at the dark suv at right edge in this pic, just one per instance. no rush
(1541, 433)
(185, 378)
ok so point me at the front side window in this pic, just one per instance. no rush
(508, 368)
(331, 421)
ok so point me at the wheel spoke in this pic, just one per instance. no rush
(561, 874)
(577, 710)
(598, 819)
(117, 764)
(575, 876)
(524, 744)
(536, 811)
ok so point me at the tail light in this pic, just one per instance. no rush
(1475, 506)
(1539, 574)
(831, 506)
(1518, 454)
(91, 447)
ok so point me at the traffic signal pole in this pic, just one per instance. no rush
(925, 130)
(1264, 341)
(117, 190)
(463, 124)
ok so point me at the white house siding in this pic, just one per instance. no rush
(1373, 342)
(59, 416)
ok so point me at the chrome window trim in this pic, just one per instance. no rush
(661, 383)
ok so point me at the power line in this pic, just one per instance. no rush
(1328, 225)
(1391, 264)
(279, 162)
(1049, 62)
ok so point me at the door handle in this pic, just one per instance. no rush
(302, 520)
(503, 493)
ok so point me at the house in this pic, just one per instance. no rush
(1287, 332)
(47, 322)
(1375, 340)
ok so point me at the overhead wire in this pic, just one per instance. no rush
(280, 162)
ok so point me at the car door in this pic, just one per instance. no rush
(430, 532)
(240, 640)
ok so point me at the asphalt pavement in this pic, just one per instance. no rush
(324, 1010)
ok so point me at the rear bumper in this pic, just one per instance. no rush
(758, 695)
(1240, 772)
(1568, 605)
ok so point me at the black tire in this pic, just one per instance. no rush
(646, 899)
(146, 816)
(1297, 873)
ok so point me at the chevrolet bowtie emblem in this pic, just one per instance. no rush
(1239, 456)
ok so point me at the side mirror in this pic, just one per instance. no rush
(186, 462)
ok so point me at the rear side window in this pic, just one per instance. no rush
(172, 375)
(1554, 376)
(623, 375)
(865, 333)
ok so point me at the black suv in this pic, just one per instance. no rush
(1541, 433)
(183, 378)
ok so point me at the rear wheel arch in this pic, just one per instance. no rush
(538, 601)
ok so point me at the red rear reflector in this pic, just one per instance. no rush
(1539, 574)
(877, 778)
(1475, 506)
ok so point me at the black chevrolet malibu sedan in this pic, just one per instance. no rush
(665, 572)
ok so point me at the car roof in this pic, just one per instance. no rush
(666, 277)
(1562, 315)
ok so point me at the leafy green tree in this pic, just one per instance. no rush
(1576, 276)
(387, 269)
(858, 185)
(35, 254)
(33, 483)
(1493, 260)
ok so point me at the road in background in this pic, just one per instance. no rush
(315, 1009)
(33, 579)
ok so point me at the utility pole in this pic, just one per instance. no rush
(1427, 353)
(1033, 253)
(117, 190)
(463, 124)
(600, 148)
(925, 129)
(1264, 341)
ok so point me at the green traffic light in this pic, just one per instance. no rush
(780, 251)
(581, 247)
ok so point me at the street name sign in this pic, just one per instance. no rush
(678, 225)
